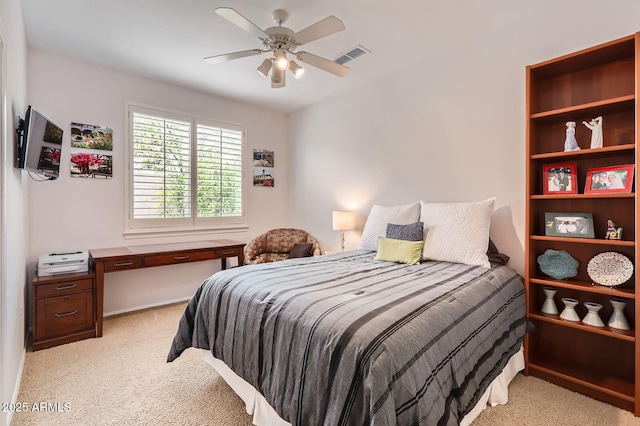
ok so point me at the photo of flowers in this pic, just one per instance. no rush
(91, 137)
(85, 165)
(49, 159)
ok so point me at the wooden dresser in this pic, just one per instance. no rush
(63, 309)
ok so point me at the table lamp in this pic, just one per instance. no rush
(343, 221)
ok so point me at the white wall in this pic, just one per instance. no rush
(14, 233)
(449, 129)
(76, 213)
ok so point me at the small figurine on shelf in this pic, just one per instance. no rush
(570, 143)
(596, 132)
(613, 232)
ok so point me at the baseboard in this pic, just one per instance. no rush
(143, 307)
(16, 389)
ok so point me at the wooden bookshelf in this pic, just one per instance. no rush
(602, 362)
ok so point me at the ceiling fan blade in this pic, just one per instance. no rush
(229, 56)
(323, 64)
(327, 26)
(235, 18)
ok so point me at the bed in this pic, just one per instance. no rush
(345, 339)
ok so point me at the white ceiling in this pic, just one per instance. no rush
(167, 40)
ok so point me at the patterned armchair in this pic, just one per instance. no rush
(276, 244)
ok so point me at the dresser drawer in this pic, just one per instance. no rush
(171, 259)
(62, 288)
(123, 264)
(228, 252)
(61, 315)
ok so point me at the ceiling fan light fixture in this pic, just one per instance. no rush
(281, 60)
(279, 41)
(296, 69)
(277, 78)
(265, 67)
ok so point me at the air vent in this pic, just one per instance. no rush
(351, 55)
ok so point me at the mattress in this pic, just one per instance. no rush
(346, 339)
(263, 414)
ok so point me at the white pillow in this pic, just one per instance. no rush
(457, 232)
(380, 216)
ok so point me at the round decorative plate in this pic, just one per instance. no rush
(610, 269)
(558, 264)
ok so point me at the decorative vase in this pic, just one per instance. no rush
(549, 305)
(569, 313)
(592, 318)
(617, 319)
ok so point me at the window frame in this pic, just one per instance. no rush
(192, 224)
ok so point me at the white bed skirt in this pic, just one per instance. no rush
(265, 415)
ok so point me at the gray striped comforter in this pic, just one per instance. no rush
(346, 340)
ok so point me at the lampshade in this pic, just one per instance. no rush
(296, 69)
(343, 221)
(265, 67)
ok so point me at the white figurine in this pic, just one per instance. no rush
(570, 143)
(596, 132)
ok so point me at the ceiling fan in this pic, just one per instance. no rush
(281, 40)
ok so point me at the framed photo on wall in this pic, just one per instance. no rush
(560, 179)
(612, 179)
(578, 225)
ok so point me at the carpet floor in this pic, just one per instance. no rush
(123, 378)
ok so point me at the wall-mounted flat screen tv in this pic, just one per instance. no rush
(39, 144)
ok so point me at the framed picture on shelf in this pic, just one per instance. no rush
(578, 225)
(605, 180)
(559, 179)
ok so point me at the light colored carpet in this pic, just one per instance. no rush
(123, 379)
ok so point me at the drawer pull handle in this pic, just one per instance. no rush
(66, 287)
(227, 252)
(180, 257)
(123, 264)
(66, 314)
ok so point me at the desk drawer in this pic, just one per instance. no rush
(62, 315)
(123, 264)
(171, 259)
(62, 288)
(228, 252)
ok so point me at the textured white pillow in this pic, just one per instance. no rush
(457, 232)
(376, 225)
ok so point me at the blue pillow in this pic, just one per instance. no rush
(411, 232)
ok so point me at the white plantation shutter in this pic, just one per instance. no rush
(219, 172)
(161, 167)
(184, 178)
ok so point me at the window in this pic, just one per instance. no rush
(184, 172)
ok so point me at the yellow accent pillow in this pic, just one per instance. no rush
(400, 251)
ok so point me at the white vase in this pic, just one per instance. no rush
(549, 305)
(592, 318)
(569, 313)
(617, 319)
